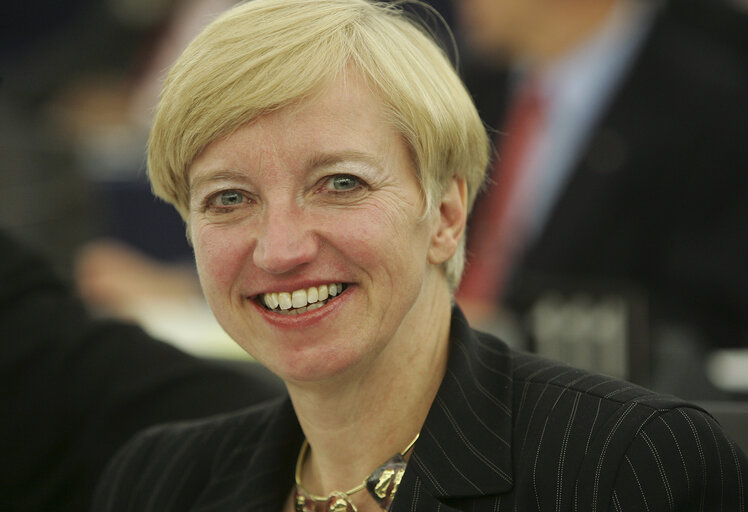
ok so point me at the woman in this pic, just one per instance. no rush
(324, 156)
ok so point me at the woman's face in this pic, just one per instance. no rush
(302, 200)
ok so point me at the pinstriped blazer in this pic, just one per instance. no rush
(507, 431)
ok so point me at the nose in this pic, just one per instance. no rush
(285, 241)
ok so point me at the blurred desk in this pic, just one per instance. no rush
(728, 369)
(599, 326)
(189, 325)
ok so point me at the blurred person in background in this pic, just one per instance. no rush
(621, 168)
(78, 84)
(74, 389)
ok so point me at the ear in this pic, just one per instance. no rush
(451, 222)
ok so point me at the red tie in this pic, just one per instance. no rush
(497, 231)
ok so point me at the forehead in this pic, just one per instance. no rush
(343, 117)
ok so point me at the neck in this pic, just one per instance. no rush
(358, 420)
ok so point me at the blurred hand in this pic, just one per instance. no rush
(115, 278)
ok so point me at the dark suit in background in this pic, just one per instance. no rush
(657, 200)
(507, 431)
(74, 389)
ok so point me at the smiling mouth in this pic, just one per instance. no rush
(301, 301)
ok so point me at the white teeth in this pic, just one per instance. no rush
(311, 295)
(312, 307)
(271, 300)
(284, 300)
(299, 299)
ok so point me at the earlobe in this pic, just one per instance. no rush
(451, 223)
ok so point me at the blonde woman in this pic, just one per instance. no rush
(325, 156)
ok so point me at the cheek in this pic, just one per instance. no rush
(387, 237)
(219, 255)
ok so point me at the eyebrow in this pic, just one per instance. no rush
(203, 179)
(321, 160)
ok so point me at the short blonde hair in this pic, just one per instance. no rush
(263, 55)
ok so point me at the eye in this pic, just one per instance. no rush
(229, 198)
(226, 200)
(343, 183)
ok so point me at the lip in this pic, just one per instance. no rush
(308, 318)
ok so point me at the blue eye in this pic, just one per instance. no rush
(343, 182)
(226, 201)
(230, 198)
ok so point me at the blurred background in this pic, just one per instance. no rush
(613, 234)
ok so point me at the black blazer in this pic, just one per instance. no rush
(657, 201)
(506, 431)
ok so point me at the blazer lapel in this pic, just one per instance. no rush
(465, 444)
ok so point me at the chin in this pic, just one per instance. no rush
(314, 367)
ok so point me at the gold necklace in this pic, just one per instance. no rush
(382, 484)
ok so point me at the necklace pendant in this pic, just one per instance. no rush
(339, 502)
(382, 485)
(384, 482)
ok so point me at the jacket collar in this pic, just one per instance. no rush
(465, 444)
